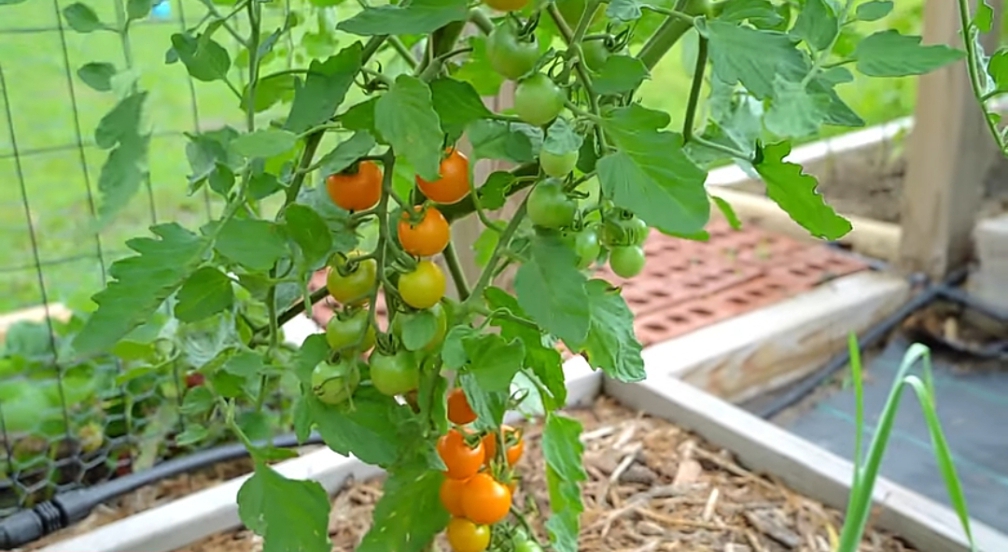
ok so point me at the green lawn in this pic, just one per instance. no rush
(56, 183)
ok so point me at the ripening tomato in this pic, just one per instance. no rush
(424, 287)
(351, 285)
(451, 495)
(627, 261)
(334, 383)
(538, 100)
(454, 182)
(509, 55)
(425, 238)
(394, 374)
(357, 189)
(194, 379)
(549, 206)
(515, 444)
(459, 411)
(463, 461)
(557, 165)
(465, 536)
(350, 330)
(486, 500)
(506, 5)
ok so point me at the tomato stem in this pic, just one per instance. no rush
(458, 275)
(694, 97)
(489, 271)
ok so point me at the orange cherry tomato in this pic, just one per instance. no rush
(454, 182)
(465, 536)
(459, 411)
(425, 238)
(461, 460)
(356, 191)
(516, 445)
(451, 495)
(486, 500)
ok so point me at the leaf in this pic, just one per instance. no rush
(620, 74)
(204, 58)
(122, 122)
(325, 88)
(650, 174)
(198, 401)
(255, 244)
(561, 138)
(264, 143)
(82, 18)
(489, 406)
(140, 284)
(204, 293)
(552, 290)
(728, 212)
(477, 70)
(417, 329)
(817, 24)
(346, 153)
(983, 18)
(138, 9)
(493, 192)
(310, 232)
(409, 514)
(245, 365)
(562, 450)
(760, 13)
(366, 427)
(485, 245)
(290, 516)
(624, 10)
(313, 350)
(361, 117)
(208, 153)
(749, 56)
(121, 175)
(457, 104)
(795, 192)
(997, 68)
(193, 434)
(417, 17)
(794, 111)
(405, 116)
(612, 345)
(890, 54)
(499, 140)
(874, 10)
(494, 361)
(97, 75)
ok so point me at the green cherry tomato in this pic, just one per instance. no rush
(626, 261)
(595, 54)
(587, 247)
(335, 383)
(557, 165)
(347, 330)
(394, 374)
(538, 100)
(355, 286)
(527, 546)
(424, 287)
(510, 56)
(440, 327)
(624, 228)
(548, 206)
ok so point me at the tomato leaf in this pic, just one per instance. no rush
(489, 406)
(795, 192)
(204, 58)
(760, 13)
(344, 238)
(204, 293)
(405, 116)
(122, 122)
(290, 515)
(314, 350)
(417, 329)
(624, 10)
(477, 70)
(138, 9)
(493, 192)
(620, 74)
(82, 18)
(499, 140)
(494, 361)
(416, 17)
(367, 426)
(324, 89)
(346, 153)
(409, 513)
(890, 54)
(453, 351)
(728, 212)
(97, 75)
(562, 449)
(552, 290)
(750, 56)
(209, 156)
(255, 244)
(794, 110)
(874, 10)
(310, 232)
(612, 345)
(121, 175)
(817, 24)
(140, 284)
(266, 142)
(457, 104)
(561, 138)
(650, 174)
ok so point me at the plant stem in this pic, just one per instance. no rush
(481, 20)
(455, 267)
(467, 206)
(403, 51)
(969, 33)
(727, 150)
(671, 13)
(670, 31)
(505, 240)
(297, 308)
(694, 97)
(253, 50)
(388, 163)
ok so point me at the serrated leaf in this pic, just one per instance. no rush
(138, 9)
(760, 13)
(366, 427)
(874, 10)
(489, 406)
(405, 117)
(82, 18)
(561, 138)
(499, 140)
(817, 24)
(493, 360)
(324, 89)
(270, 90)
(795, 111)
(245, 364)
(457, 104)
(290, 515)
(417, 17)
(361, 117)
(890, 54)
(650, 174)
(193, 434)
(97, 75)
(493, 192)
(620, 74)
(204, 293)
(997, 68)
(121, 175)
(313, 350)
(612, 345)
(624, 10)
(750, 56)
(728, 212)
(795, 192)
(552, 290)
(255, 244)
(417, 329)
(140, 284)
(346, 153)
(409, 514)
(310, 232)
(453, 351)
(204, 58)
(344, 238)
(562, 450)
(122, 122)
(264, 143)
(983, 18)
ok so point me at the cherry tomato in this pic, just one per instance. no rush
(459, 411)
(463, 461)
(486, 501)
(548, 206)
(356, 285)
(465, 536)
(515, 445)
(424, 287)
(586, 246)
(334, 383)
(509, 55)
(557, 165)
(626, 261)
(194, 379)
(440, 328)
(621, 227)
(347, 330)
(425, 238)
(451, 495)
(527, 546)
(394, 374)
(594, 54)
(358, 190)
(454, 182)
(506, 5)
(538, 100)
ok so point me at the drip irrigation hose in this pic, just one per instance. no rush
(70, 507)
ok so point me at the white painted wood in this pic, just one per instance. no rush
(808, 469)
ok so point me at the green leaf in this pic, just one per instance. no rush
(817, 24)
(405, 116)
(97, 75)
(477, 70)
(198, 401)
(121, 175)
(416, 17)
(290, 516)
(760, 13)
(82, 18)
(552, 290)
(489, 406)
(997, 68)
(874, 10)
(493, 192)
(208, 153)
(204, 58)
(890, 54)
(270, 90)
(562, 450)
(313, 350)
(140, 284)
(204, 293)
(366, 427)
(494, 361)
(561, 138)
(728, 212)
(417, 329)
(264, 143)
(193, 434)
(612, 345)
(795, 192)
(122, 122)
(361, 117)
(310, 232)
(620, 74)
(750, 56)
(984, 17)
(457, 104)
(138, 9)
(325, 88)
(650, 174)
(795, 111)
(499, 140)
(346, 153)
(409, 514)
(245, 365)
(624, 10)
(485, 245)
(255, 244)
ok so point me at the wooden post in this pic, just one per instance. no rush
(948, 156)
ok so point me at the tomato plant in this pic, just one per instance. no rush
(426, 237)
(485, 500)
(626, 260)
(514, 444)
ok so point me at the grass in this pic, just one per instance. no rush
(57, 175)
